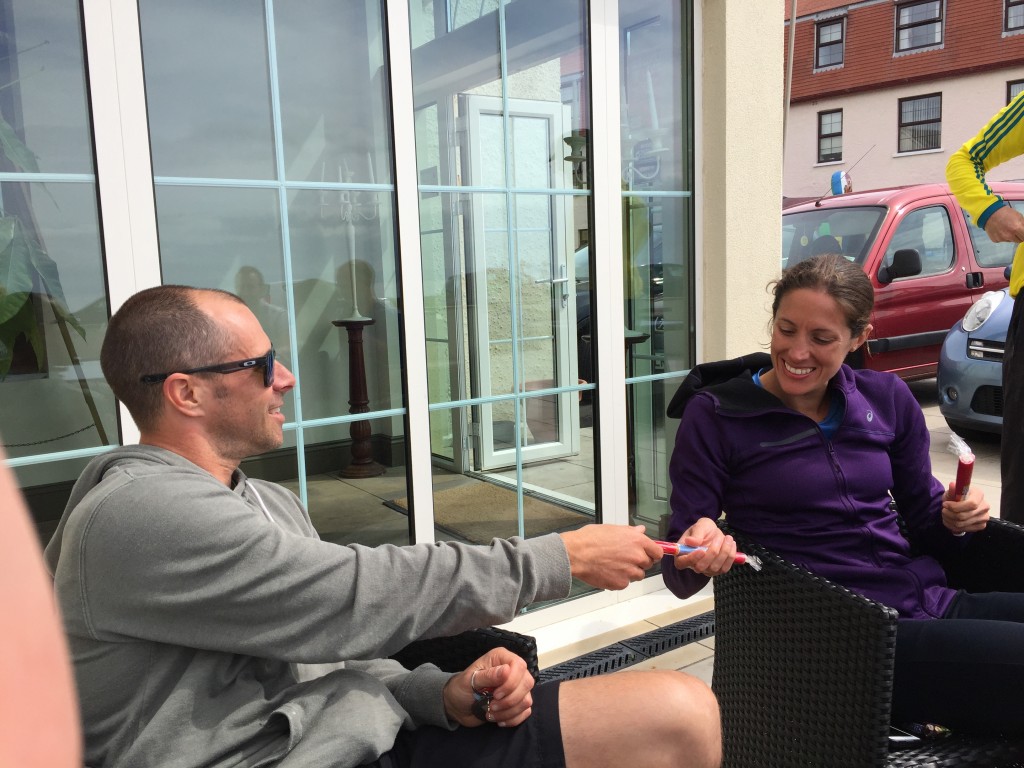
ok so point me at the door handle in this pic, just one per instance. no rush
(563, 280)
(975, 279)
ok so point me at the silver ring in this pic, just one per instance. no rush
(472, 681)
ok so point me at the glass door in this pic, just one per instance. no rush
(522, 296)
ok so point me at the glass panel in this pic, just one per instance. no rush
(990, 254)
(829, 33)
(330, 58)
(851, 231)
(655, 95)
(53, 306)
(831, 149)
(918, 37)
(830, 54)
(558, 495)
(498, 259)
(207, 88)
(659, 333)
(653, 436)
(345, 291)
(1015, 17)
(658, 234)
(919, 137)
(309, 242)
(929, 232)
(914, 14)
(347, 510)
(832, 122)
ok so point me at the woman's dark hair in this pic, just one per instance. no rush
(840, 278)
(158, 330)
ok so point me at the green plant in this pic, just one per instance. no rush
(25, 269)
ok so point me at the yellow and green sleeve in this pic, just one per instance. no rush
(1000, 140)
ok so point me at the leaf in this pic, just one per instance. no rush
(23, 158)
(23, 322)
(46, 268)
(15, 270)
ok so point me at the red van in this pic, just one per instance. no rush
(927, 262)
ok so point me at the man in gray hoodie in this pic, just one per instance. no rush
(194, 597)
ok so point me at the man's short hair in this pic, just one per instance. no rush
(158, 330)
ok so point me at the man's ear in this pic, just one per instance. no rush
(181, 395)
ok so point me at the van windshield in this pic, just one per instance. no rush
(847, 231)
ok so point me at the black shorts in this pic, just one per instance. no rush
(535, 743)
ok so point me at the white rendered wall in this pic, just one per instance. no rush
(741, 148)
(870, 131)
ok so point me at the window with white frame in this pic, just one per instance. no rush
(1013, 16)
(829, 43)
(830, 136)
(920, 123)
(918, 25)
(1013, 87)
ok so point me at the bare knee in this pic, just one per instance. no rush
(697, 722)
(653, 718)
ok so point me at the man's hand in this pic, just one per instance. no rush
(965, 516)
(1006, 225)
(719, 554)
(502, 673)
(610, 556)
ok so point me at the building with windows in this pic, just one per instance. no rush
(885, 90)
(489, 239)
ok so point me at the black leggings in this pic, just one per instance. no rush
(964, 671)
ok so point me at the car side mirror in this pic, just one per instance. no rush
(906, 262)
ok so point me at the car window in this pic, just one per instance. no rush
(987, 253)
(848, 231)
(929, 232)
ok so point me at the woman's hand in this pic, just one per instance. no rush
(965, 516)
(504, 675)
(720, 550)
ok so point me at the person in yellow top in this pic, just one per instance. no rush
(1000, 140)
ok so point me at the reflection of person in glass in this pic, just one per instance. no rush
(194, 597)
(254, 291)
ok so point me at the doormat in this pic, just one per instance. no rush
(479, 512)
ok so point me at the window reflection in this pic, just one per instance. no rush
(657, 237)
(53, 307)
(504, 225)
(52, 296)
(273, 180)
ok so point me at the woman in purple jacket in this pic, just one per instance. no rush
(805, 455)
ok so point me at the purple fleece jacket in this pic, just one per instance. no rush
(821, 504)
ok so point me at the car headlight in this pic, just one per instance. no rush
(982, 310)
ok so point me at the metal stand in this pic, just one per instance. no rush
(362, 464)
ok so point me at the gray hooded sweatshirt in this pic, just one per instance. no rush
(191, 609)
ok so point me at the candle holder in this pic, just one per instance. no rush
(355, 205)
(352, 205)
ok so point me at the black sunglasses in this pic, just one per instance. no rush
(266, 362)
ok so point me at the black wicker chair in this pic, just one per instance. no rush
(456, 652)
(803, 667)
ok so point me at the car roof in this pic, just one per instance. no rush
(897, 196)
